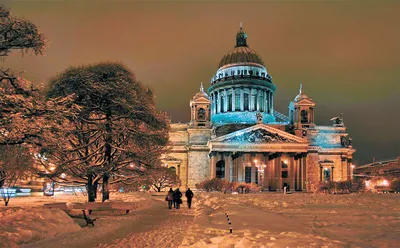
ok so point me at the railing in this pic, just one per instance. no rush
(225, 78)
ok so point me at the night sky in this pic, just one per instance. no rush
(346, 54)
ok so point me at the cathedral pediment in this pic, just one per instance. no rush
(305, 102)
(201, 100)
(260, 133)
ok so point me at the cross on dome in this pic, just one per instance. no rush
(301, 88)
(201, 87)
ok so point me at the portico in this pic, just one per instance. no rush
(260, 154)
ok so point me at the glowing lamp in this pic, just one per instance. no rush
(353, 166)
(385, 183)
(255, 160)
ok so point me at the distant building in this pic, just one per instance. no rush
(235, 133)
(389, 168)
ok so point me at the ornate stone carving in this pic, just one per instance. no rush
(258, 136)
(259, 118)
(343, 141)
(213, 132)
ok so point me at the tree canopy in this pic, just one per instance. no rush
(117, 131)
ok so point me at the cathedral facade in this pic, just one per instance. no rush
(235, 134)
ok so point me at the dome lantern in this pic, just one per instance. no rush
(241, 37)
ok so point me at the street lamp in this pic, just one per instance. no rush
(260, 170)
(351, 170)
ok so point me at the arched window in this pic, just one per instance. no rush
(327, 174)
(229, 102)
(246, 101)
(220, 169)
(201, 114)
(304, 116)
(172, 169)
(237, 100)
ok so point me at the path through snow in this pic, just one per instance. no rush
(152, 226)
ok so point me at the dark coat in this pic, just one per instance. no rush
(189, 194)
(170, 196)
(177, 195)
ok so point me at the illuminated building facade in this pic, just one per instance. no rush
(235, 134)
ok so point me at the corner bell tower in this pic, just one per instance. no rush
(200, 109)
(301, 113)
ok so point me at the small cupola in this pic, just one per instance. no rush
(200, 109)
(301, 111)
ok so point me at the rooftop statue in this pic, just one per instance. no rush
(338, 121)
(259, 118)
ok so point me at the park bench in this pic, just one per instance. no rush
(58, 205)
(87, 219)
(110, 206)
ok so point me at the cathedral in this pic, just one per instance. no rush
(235, 134)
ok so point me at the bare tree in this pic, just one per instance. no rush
(19, 34)
(27, 120)
(118, 130)
(24, 115)
(161, 177)
(15, 164)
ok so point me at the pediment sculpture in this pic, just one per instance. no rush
(258, 136)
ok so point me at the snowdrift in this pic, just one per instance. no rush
(21, 226)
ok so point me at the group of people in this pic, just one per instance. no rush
(175, 198)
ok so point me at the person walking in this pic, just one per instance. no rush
(177, 198)
(170, 198)
(189, 195)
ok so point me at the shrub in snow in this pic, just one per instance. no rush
(342, 187)
(214, 184)
(220, 185)
(395, 185)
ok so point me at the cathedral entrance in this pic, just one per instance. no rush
(220, 169)
(247, 174)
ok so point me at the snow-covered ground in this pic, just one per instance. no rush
(296, 220)
(26, 220)
(257, 220)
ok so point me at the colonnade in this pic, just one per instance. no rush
(272, 171)
(258, 99)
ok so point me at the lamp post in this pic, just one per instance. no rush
(260, 169)
(351, 170)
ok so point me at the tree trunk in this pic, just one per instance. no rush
(95, 186)
(107, 154)
(90, 189)
(105, 190)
